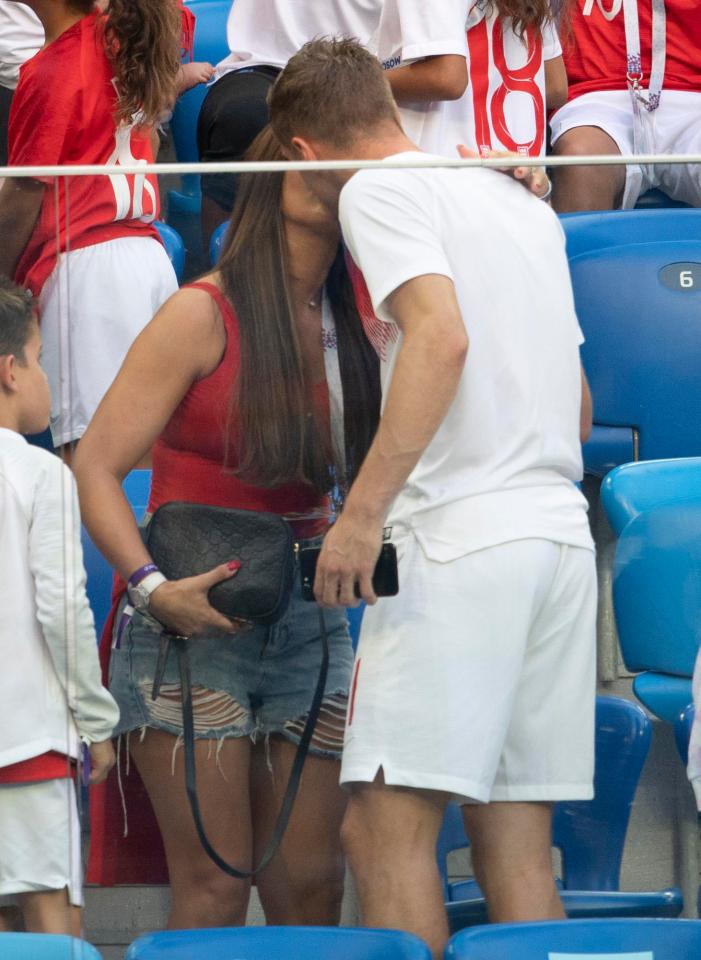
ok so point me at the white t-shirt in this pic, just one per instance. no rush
(505, 99)
(504, 462)
(412, 30)
(21, 36)
(504, 104)
(272, 31)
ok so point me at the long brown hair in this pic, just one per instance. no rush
(143, 41)
(525, 13)
(280, 438)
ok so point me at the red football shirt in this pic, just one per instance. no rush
(595, 53)
(63, 113)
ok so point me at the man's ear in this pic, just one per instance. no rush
(8, 380)
(301, 149)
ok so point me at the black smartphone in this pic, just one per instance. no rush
(385, 579)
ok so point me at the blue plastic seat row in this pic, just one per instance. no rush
(636, 939)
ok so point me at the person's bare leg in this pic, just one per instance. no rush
(304, 882)
(389, 836)
(511, 856)
(586, 187)
(202, 895)
(50, 911)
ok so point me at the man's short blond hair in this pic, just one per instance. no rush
(334, 91)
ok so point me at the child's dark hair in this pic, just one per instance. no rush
(17, 318)
(143, 41)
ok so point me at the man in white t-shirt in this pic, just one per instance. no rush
(477, 682)
(461, 74)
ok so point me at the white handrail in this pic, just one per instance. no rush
(280, 166)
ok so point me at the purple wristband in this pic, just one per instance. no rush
(138, 575)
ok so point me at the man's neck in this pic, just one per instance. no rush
(55, 18)
(8, 417)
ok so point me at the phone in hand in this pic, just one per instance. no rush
(385, 579)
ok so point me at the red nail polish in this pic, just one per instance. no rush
(234, 565)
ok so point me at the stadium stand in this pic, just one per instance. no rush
(598, 939)
(175, 248)
(655, 510)
(283, 943)
(637, 285)
(210, 46)
(589, 835)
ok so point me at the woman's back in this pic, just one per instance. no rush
(191, 460)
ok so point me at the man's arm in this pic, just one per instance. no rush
(434, 78)
(424, 383)
(20, 203)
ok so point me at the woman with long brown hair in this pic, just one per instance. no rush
(87, 246)
(256, 389)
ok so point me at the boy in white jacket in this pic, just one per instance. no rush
(51, 695)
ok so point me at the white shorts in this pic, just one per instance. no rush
(675, 127)
(93, 306)
(40, 839)
(479, 678)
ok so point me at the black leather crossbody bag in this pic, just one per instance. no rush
(187, 539)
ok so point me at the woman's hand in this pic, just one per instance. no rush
(183, 605)
(534, 179)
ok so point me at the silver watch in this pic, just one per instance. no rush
(140, 593)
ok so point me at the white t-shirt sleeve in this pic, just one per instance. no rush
(551, 42)
(389, 227)
(56, 561)
(415, 29)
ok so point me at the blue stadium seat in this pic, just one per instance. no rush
(217, 242)
(637, 285)
(655, 510)
(137, 485)
(44, 946)
(682, 731)
(579, 939)
(174, 246)
(589, 834)
(279, 943)
(211, 46)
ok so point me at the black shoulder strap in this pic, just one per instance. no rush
(180, 644)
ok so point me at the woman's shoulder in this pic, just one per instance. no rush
(209, 289)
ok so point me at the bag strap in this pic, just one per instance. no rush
(180, 644)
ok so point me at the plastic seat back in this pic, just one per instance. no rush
(637, 285)
(216, 243)
(682, 731)
(281, 943)
(174, 247)
(210, 46)
(655, 508)
(635, 939)
(44, 946)
(590, 834)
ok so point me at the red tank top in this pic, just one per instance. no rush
(189, 457)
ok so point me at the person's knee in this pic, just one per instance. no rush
(212, 895)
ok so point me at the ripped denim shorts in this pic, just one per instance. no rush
(251, 684)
